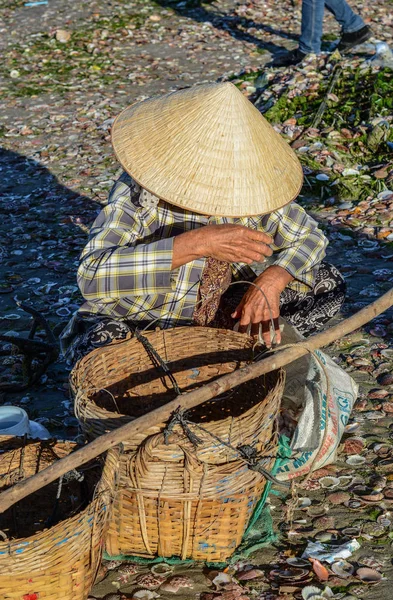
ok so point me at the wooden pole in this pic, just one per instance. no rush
(191, 399)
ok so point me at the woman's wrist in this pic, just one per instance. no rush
(276, 276)
(188, 246)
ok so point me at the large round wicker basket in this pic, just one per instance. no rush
(114, 384)
(44, 555)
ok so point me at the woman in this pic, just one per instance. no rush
(205, 201)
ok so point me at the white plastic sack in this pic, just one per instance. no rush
(323, 418)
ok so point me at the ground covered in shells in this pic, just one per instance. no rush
(67, 69)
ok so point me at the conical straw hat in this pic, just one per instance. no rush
(209, 150)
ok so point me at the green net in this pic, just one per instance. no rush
(259, 533)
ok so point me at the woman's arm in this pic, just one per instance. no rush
(119, 260)
(227, 242)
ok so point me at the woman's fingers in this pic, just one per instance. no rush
(267, 328)
(238, 310)
(253, 251)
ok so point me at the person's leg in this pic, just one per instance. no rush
(308, 313)
(311, 29)
(99, 334)
(344, 14)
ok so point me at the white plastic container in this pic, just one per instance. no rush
(13, 421)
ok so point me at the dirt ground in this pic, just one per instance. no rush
(67, 69)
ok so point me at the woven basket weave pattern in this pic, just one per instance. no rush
(61, 561)
(173, 504)
(192, 502)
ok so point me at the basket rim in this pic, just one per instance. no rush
(81, 397)
(14, 543)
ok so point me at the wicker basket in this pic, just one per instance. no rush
(60, 560)
(180, 500)
(177, 505)
(116, 383)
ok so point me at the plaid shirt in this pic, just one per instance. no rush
(125, 270)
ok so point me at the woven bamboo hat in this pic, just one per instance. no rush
(209, 150)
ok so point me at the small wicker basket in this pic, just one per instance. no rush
(116, 383)
(176, 505)
(59, 560)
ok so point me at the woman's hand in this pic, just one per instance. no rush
(236, 243)
(228, 242)
(254, 307)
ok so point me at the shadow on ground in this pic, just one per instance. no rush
(235, 25)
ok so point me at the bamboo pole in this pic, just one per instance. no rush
(191, 399)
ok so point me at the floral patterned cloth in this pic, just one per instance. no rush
(216, 277)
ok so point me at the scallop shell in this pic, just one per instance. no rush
(369, 575)
(222, 579)
(354, 504)
(382, 450)
(310, 484)
(338, 497)
(378, 483)
(352, 532)
(128, 569)
(324, 522)
(329, 483)
(373, 529)
(144, 595)
(318, 510)
(343, 569)
(162, 569)
(345, 481)
(298, 562)
(378, 394)
(150, 581)
(289, 574)
(250, 574)
(373, 497)
(323, 472)
(310, 591)
(388, 493)
(354, 445)
(174, 584)
(355, 460)
(384, 521)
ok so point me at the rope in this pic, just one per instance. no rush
(156, 359)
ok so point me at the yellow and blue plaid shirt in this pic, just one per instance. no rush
(125, 269)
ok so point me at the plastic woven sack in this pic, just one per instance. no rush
(324, 394)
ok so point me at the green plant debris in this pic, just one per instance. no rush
(361, 96)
